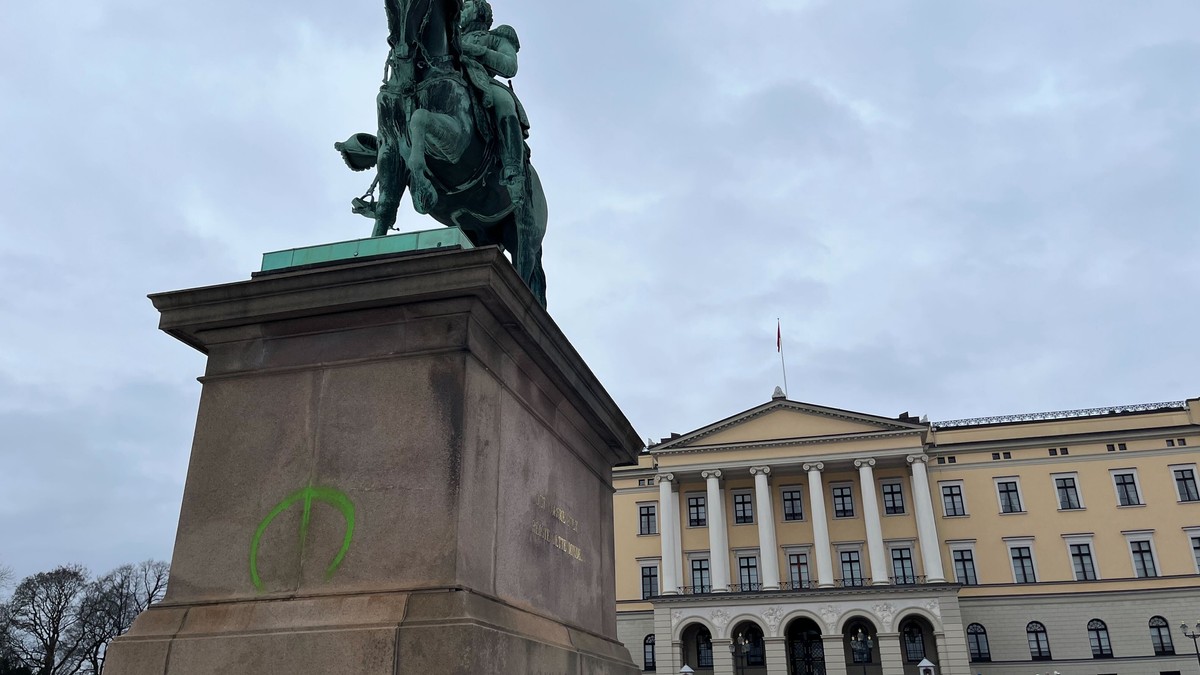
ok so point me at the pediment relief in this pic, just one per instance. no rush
(780, 420)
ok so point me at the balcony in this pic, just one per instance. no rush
(807, 586)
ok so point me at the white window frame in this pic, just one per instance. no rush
(655, 562)
(687, 514)
(854, 502)
(657, 517)
(910, 544)
(1027, 542)
(863, 568)
(805, 551)
(1020, 494)
(964, 545)
(733, 494)
(1083, 538)
(942, 497)
(738, 554)
(1142, 535)
(1195, 476)
(1137, 484)
(1074, 475)
(1193, 533)
(697, 555)
(794, 487)
(904, 495)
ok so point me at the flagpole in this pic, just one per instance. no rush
(779, 344)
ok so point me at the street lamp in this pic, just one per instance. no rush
(737, 648)
(1192, 634)
(861, 645)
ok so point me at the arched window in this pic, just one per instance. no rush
(1039, 642)
(704, 650)
(914, 642)
(1160, 635)
(748, 639)
(977, 642)
(648, 652)
(1098, 636)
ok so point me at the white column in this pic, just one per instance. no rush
(866, 480)
(931, 550)
(820, 523)
(677, 541)
(718, 537)
(666, 535)
(768, 553)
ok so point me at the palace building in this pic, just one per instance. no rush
(796, 538)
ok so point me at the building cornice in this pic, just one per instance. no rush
(784, 404)
(791, 442)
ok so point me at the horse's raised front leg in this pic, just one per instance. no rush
(437, 135)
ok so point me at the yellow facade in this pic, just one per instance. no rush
(1041, 540)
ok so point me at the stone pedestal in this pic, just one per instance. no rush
(400, 466)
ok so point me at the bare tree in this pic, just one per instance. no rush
(45, 623)
(6, 576)
(112, 602)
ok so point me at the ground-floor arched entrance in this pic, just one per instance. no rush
(805, 649)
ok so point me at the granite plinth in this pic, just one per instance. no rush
(399, 466)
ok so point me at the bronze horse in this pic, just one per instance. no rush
(434, 139)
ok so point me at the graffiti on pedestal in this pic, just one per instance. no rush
(335, 498)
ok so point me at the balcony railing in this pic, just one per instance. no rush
(809, 585)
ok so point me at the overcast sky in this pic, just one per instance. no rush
(955, 208)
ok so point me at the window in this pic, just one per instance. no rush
(701, 580)
(697, 512)
(1170, 443)
(752, 648)
(743, 508)
(793, 505)
(952, 499)
(1022, 564)
(704, 657)
(1081, 560)
(995, 455)
(914, 643)
(1010, 496)
(1098, 636)
(1196, 552)
(977, 643)
(1064, 451)
(964, 566)
(893, 499)
(649, 581)
(1039, 642)
(1160, 635)
(843, 502)
(1008, 455)
(852, 569)
(1185, 484)
(647, 519)
(748, 572)
(1143, 558)
(798, 570)
(902, 566)
(1053, 452)
(648, 653)
(1068, 493)
(1127, 491)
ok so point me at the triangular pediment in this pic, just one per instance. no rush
(791, 420)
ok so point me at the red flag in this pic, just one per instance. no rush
(778, 337)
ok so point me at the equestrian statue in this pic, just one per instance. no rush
(453, 134)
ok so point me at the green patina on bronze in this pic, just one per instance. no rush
(450, 237)
(452, 134)
(334, 498)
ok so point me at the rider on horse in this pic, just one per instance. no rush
(488, 53)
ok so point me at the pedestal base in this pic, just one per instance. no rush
(400, 466)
